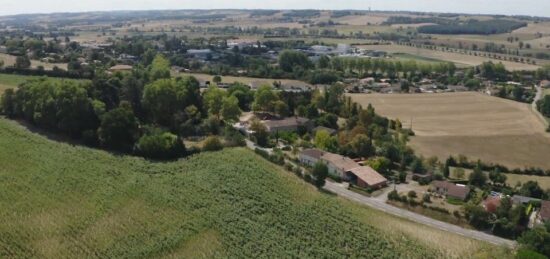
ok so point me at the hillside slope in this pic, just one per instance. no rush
(63, 201)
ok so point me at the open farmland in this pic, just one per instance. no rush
(12, 81)
(242, 79)
(9, 60)
(460, 59)
(71, 201)
(511, 179)
(478, 126)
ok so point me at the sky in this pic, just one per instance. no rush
(509, 7)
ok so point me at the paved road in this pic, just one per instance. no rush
(341, 190)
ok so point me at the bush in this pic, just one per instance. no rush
(412, 194)
(160, 145)
(212, 143)
(394, 196)
(426, 198)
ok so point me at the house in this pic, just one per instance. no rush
(3, 49)
(330, 131)
(203, 54)
(288, 124)
(310, 157)
(545, 84)
(366, 177)
(338, 165)
(544, 213)
(452, 190)
(518, 199)
(492, 203)
(121, 68)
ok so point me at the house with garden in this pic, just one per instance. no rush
(451, 190)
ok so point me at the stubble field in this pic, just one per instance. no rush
(476, 125)
(460, 59)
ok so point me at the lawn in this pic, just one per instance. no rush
(242, 79)
(511, 179)
(9, 60)
(12, 81)
(472, 124)
(419, 59)
(64, 201)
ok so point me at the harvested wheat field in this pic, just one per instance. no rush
(460, 59)
(476, 125)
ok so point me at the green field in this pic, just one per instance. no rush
(12, 81)
(511, 179)
(420, 59)
(65, 201)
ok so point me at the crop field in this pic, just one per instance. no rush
(472, 124)
(60, 200)
(9, 60)
(418, 59)
(241, 79)
(459, 59)
(511, 179)
(12, 81)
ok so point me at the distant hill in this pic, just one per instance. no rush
(60, 200)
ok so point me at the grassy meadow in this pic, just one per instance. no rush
(65, 201)
(12, 80)
(511, 179)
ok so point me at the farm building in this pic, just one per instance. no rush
(288, 124)
(366, 177)
(345, 168)
(338, 165)
(310, 156)
(451, 190)
(330, 131)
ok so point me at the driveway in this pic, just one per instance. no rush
(379, 204)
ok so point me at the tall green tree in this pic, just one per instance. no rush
(119, 128)
(160, 68)
(320, 173)
(230, 109)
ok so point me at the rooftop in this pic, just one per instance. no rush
(368, 175)
(454, 190)
(287, 122)
(341, 162)
(315, 153)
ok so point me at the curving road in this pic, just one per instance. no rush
(342, 191)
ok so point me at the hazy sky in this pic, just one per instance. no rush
(524, 7)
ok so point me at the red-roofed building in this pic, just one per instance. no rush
(366, 177)
(491, 204)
